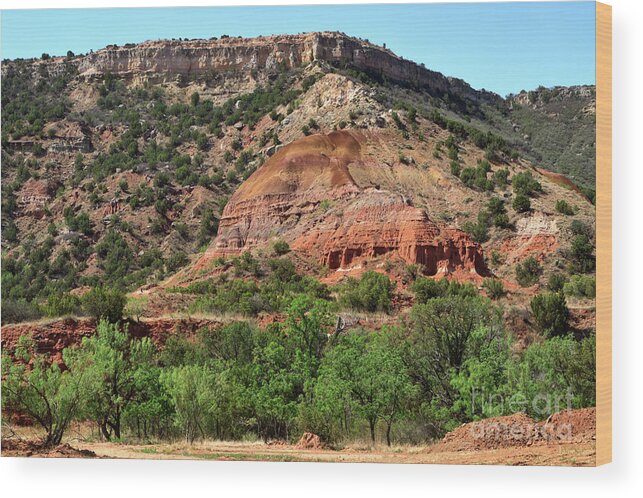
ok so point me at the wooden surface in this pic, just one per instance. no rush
(603, 233)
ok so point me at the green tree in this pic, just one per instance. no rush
(53, 397)
(112, 361)
(554, 375)
(441, 339)
(363, 374)
(482, 382)
(191, 390)
(102, 303)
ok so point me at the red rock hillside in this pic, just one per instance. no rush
(305, 194)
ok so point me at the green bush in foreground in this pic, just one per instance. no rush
(404, 384)
(51, 396)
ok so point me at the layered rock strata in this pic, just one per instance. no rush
(306, 195)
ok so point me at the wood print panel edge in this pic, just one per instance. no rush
(604, 233)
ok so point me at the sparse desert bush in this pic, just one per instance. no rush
(580, 286)
(281, 247)
(550, 313)
(494, 288)
(563, 207)
(521, 203)
(528, 272)
(556, 282)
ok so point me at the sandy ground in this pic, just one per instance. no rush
(576, 454)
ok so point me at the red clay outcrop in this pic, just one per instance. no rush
(305, 194)
(51, 338)
(520, 430)
(309, 441)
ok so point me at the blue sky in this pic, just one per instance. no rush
(503, 47)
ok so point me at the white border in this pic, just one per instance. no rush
(68, 478)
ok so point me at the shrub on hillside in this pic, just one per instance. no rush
(104, 304)
(494, 288)
(372, 292)
(177, 260)
(426, 289)
(479, 231)
(581, 254)
(521, 203)
(528, 272)
(19, 310)
(498, 212)
(556, 282)
(62, 304)
(563, 207)
(281, 247)
(577, 227)
(550, 313)
(524, 183)
(581, 286)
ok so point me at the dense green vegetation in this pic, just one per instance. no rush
(564, 144)
(29, 101)
(450, 363)
(36, 269)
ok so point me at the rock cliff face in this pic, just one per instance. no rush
(306, 195)
(265, 54)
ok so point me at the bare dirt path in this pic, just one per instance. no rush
(544, 454)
